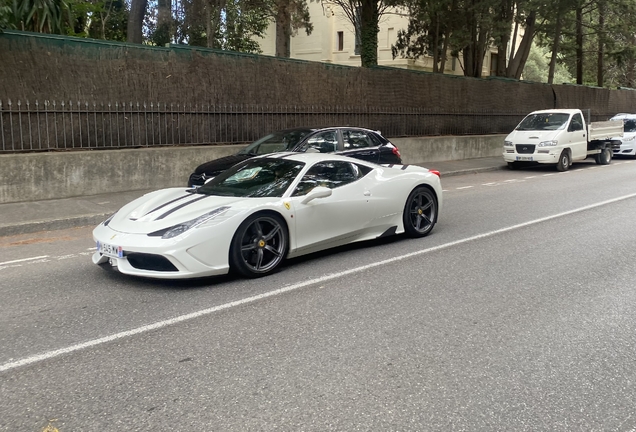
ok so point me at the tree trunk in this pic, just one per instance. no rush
(435, 45)
(601, 43)
(164, 18)
(442, 65)
(579, 44)
(213, 21)
(503, 36)
(555, 46)
(513, 45)
(515, 68)
(283, 30)
(136, 21)
(630, 73)
(369, 17)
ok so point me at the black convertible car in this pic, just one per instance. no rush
(349, 141)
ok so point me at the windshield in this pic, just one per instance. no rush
(276, 142)
(543, 121)
(254, 178)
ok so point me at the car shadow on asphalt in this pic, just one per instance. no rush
(115, 278)
(547, 169)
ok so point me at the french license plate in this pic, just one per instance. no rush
(110, 250)
(524, 158)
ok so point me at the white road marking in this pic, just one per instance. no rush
(530, 177)
(510, 180)
(181, 318)
(545, 175)
(464, 187)
(24, 259)
(489, 184)
(92, 249)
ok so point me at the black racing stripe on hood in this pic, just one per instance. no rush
(181, 206)
(168, 203)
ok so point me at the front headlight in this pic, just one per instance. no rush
(631, 138)
(548, 143)
(176, 230)
(507, 143)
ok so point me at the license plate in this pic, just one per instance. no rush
(110, 250)
(524, 158)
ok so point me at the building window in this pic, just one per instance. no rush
(340, 41)
(390, 37)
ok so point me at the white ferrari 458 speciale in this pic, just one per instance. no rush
(254, 215)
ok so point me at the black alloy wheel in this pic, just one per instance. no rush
(420, 212)
(259, 245)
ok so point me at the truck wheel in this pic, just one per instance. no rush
(564, 161)
(605, 157)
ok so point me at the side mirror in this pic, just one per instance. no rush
(317, 192)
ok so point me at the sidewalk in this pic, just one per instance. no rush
(48, 215)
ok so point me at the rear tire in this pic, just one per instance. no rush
(564, 161)
(259, 245)
(420, 212)
(605, 157)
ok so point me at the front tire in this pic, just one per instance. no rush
(259, 245)
(564, 161)
(513, 165)
(420, 212)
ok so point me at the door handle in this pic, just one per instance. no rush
(367, 193)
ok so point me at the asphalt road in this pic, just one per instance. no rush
(517, 313)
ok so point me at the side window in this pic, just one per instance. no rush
(322, 142)
(331, 174)
(577, 123)
(354, 139)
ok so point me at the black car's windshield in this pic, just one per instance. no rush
(276, 142)
(543, 121)
(260, 177)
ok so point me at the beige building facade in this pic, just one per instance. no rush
(333, 41)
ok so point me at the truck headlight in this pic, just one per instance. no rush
(548, 143)
(507, 143)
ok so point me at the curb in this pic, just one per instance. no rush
(52, 225)
(472, 171)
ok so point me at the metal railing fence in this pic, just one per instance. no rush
(70, 125)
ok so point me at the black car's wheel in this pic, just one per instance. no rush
(420, 212)
(513, 165)
(564, 161)
(259, 245)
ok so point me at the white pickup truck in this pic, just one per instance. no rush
(560, 137)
